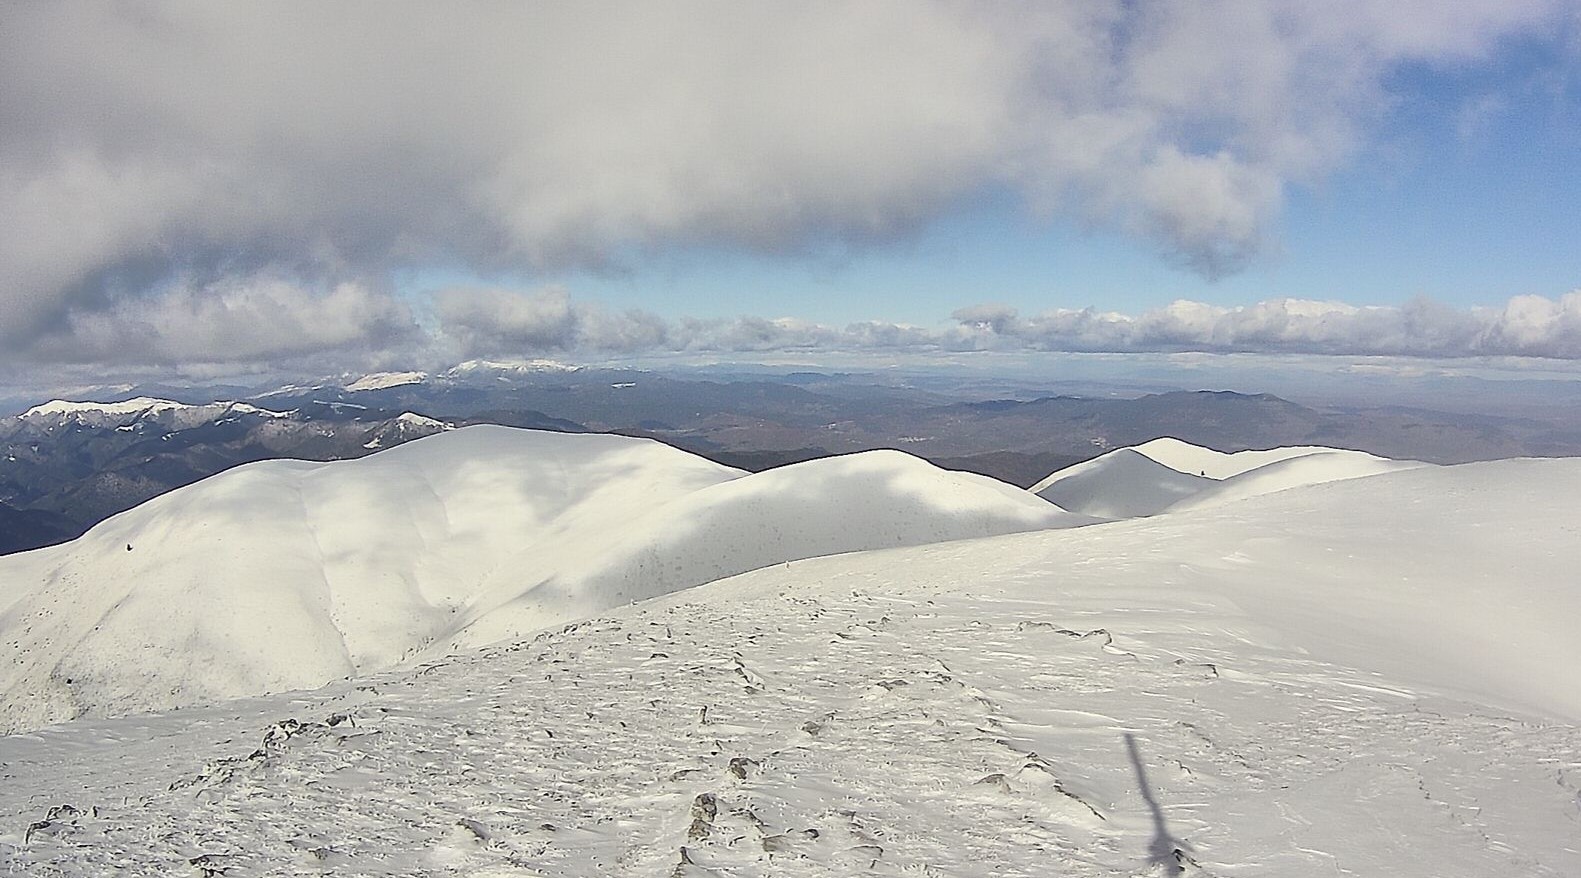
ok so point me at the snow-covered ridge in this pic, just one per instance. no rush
(60, 409)
(510, 366)
(386, 380)
(66, 408)
(1188, 458)
(288, 574)
(1168, 475)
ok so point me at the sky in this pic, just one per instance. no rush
(201, 188)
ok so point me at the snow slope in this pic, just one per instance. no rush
(287, 574)
(1171, 475)
(1188, 458)
(1125, 483)
(1313, 468)
(1365, 677)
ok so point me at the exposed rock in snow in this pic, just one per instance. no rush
(405, 427)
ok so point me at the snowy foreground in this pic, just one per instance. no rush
(1369, 677)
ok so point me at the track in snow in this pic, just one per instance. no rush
(826, 732)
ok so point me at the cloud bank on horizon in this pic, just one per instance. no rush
(193, 183)
(493, 323)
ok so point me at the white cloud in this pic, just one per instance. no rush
(1528, 326)
(494, 322)
(145, 141)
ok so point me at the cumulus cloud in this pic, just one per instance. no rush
(1530, 326)
(146, 141)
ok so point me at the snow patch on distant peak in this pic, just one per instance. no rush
(247, 409)
(402, 427)
(69, 408)
(137, 406)
(386, 380)
(416, 420)
(522, 366)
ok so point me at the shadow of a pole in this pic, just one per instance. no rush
(1164, 850)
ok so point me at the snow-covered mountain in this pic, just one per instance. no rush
(67, 465)
(288, 574)
(1372, 676)
(505, 368)
(403, 428)
(385, 381)
(1171, 475)
(177, 415)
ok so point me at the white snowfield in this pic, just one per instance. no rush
(1168, 475)
(286, 574)
(1370, 677)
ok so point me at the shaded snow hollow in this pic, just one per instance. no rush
(287, 574)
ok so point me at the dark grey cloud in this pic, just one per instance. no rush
(225, 145)
(494, 322)
(254, 319)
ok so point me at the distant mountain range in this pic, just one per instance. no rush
(65, 465)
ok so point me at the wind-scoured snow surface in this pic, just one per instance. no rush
(1369, 677)
(1171, 475)
(286, 574)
